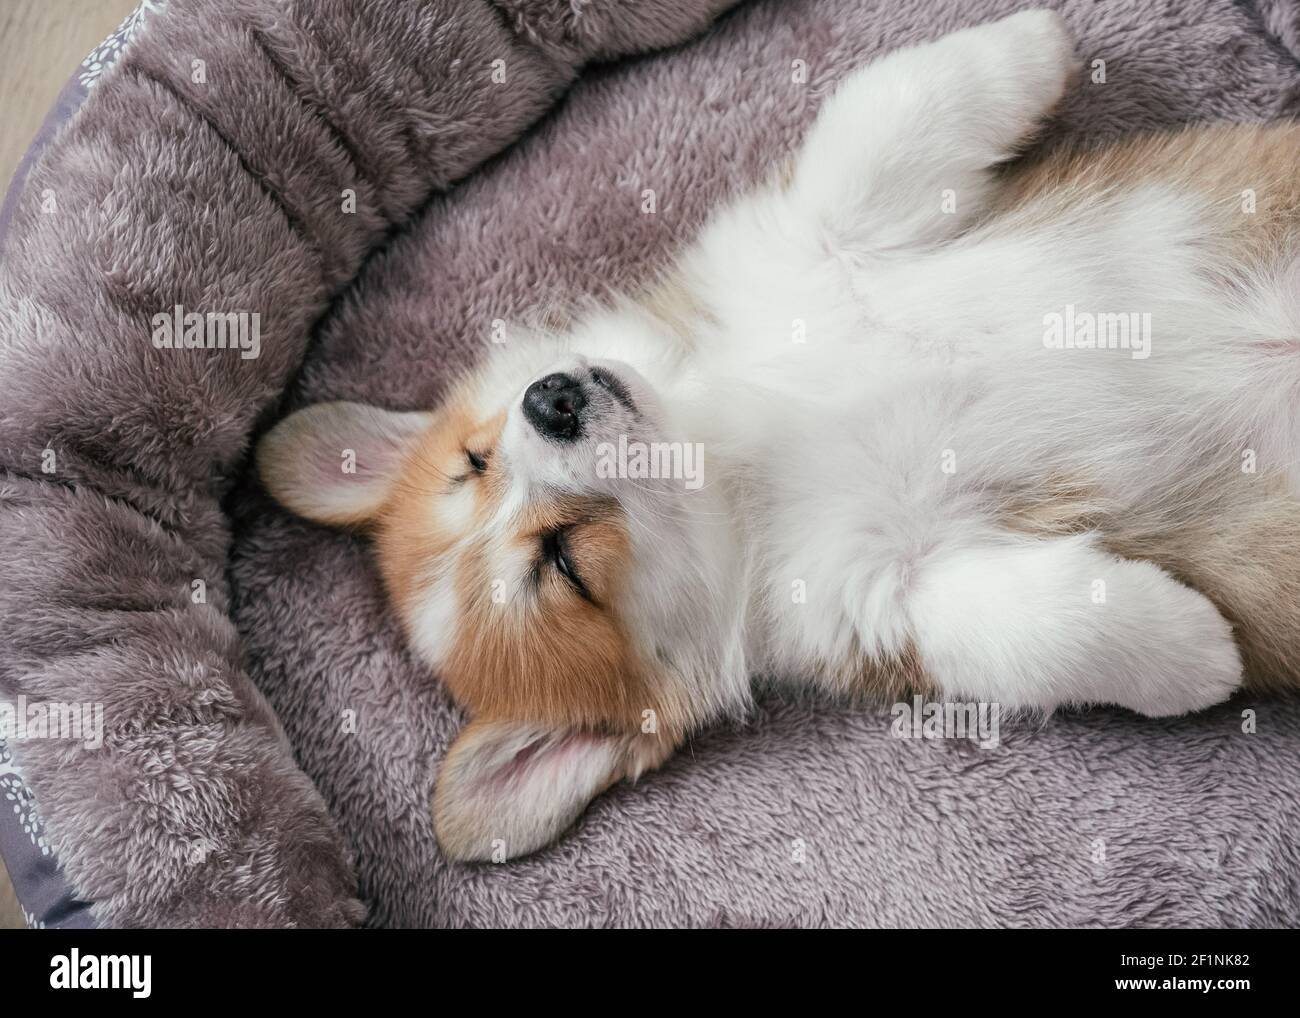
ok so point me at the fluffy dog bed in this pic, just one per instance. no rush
(271, 746)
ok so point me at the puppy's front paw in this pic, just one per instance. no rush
(1033, 53)
(1038, 28)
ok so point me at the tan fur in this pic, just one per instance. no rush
(1221, 161)
(409, 537)
(559, 658)
(549, 655)
(875, 679)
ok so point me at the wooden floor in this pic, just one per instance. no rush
(11, 916)
(41, 44)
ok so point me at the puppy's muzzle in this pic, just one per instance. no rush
(554, 404)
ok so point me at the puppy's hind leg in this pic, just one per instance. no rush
(901, 154)
(1042, 623)
(1245, 557)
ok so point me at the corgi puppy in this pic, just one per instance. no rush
(909, 418)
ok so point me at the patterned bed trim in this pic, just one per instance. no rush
(43, 893)
(108, 52)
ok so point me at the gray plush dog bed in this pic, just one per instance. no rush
(270, 748)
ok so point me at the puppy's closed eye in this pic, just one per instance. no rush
(557, 553)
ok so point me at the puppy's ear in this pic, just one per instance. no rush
(518, 786)
(335, 462)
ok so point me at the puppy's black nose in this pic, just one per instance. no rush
(553, 405)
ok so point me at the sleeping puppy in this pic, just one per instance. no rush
(906, 419)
